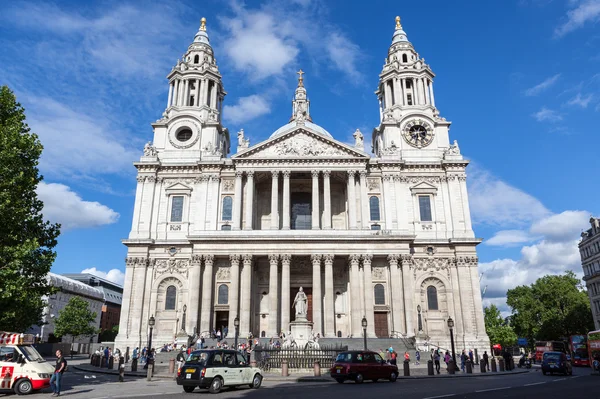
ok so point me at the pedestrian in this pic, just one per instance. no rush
(59, 369)
(180, 359)
(436, 361)
(393, 357)
(106, 356)
(471, 355)
(447, 358)
(463, 360)
(417, 357)
(406, 357)
(486, 365)
(202, 342)
(225, 331)
(218, 335)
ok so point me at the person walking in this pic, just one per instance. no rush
(486, 365)
(436, 361)
(471, 355)
(463, 360)
(393, 357)
(180, 358)
(59, 369)
(417, 357)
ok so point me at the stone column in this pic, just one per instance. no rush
(186, 92)
(194, 294)
(355, 315)
(397, 300)
(368, 290)
(202, 99)
(175, 94)
(409, 294)
(234, 289)
(388, 95)
(245, 295)
(285, 292)
(326, 200)
(275, 200)
(237, 201)
(317, 294)
(431, 93)
(213, 96)
(273, 295)
(315, 200)
(207, 289)
(197, 93)
(397, 92)
(201, 210)
(249, 200)
(351, 200)
(404, 92)
(137, 208)
(170, 95)
(286, 200)
(426, 90)
(328, 306)
(364, 201)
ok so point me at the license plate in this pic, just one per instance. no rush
(338, 371)
(188, 376)
(190, 370)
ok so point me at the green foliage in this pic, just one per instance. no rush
(499, 331)
(553, 307)
(26, 241)
(75, 319)
(109, 335)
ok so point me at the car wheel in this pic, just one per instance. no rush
(393, 377)
(359, 378)
(23, 387)
(216, 385)
(340, 380)
(188, 389)
(256, 381)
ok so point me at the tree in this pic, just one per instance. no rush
(26, 240)
(552, 308)
(497, 328)
(76, 319)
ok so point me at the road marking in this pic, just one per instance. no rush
(535, 383)
(560, 379)
(441, 396)
(492, 389)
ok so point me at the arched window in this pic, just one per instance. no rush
(432, 302)
(196, 59)
(379, 294)
(227, 205)
(404, 58)
(223, 297)
(170, 298)
(374, 205)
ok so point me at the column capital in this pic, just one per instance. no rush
(363, 173)
(247, 259)
(208, 259)
(234, 258)
(328, 258)
(326, 173)
(351, 173)
(316, 258)
(286, 174)
(315, 174)
(275, 174)
(354, 259)
(196, 260)
(393, 259)
(367, 259)
(407, 260)
(273, 258)
(250, 173)
(215, 178)
(239, 173)
(286, 258)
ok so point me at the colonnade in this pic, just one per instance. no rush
(396, 91)
(194, 93)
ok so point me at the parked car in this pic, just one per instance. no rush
(215, 369)
(556, 362)
(358, 366)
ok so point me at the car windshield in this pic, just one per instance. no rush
(344, 358)
(31, 354)
(554, 357)
(198, 357)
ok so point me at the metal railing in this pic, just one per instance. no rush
(296, 358)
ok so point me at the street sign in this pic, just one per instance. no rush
(522, 342)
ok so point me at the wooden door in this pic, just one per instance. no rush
(381, 325)
(308, 292)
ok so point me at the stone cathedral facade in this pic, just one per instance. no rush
(383, 233)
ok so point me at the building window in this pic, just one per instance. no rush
(177, 208)
(374, 205)
(375, 227)
(223, 297)
(404, 58)
(379, 294)
(196, 59)
(170, 298)
(432, 301)
(227, 206)
(425, 208)
(226, 227)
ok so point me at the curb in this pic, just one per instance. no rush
(414, 377)
(110, 372)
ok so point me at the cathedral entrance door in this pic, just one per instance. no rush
(221, 320)
(308, 292)
(381, 325)
(301, 211)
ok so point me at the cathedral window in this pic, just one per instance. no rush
(425, 208)
(409, 99)
(227, 208)
(170, 298)
(379, 294)
(374, 205)
(404, 58)
(177, 208)
(196, 59)
(184, 135)
(223, 296)
(226, 227)
(432, 301)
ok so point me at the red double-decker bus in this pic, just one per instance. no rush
(548, 346)
(578, 344)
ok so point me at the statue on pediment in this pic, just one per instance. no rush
(359, 140)
(242, 142)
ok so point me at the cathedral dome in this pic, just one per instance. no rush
(292, 125)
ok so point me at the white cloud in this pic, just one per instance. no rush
(494, 202)
(66, 207)
(537, 89)
(586, 11)
(546, 114)
(114, 275)
(247, 108)
(579, 100)
(509, 238)
(343, 53)
(562, 226)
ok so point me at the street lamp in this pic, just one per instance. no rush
(364, 326)
(451, 327)
(236, 324)
(150, 360)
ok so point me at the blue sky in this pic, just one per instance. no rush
(520, 80)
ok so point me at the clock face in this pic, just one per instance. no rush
(418, 133)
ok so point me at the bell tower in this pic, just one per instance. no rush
(410, 127)
(191, 127)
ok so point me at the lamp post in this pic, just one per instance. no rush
(236, 324)
(150, 361)
(364, 326)
(451, 327)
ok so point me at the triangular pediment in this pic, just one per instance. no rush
(300, 143)
(178, 187)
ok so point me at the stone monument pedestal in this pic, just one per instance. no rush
(182, 338)
(301, 331)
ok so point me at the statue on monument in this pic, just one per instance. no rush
(301, 305)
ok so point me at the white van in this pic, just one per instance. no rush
(22, 369)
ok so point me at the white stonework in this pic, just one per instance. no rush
(589, 249)
(380, 236)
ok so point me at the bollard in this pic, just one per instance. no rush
(121, 369)
(317, 368)
(494, 369)
(476, 357)
(406, 368)
(482, 366)
(134, 364)
(149, 371)
(284, 368)
(127, 355)
(92, 359)
(430, 367)
(469, 365)
(111, 363)
(171, 366)
(451, 367)
(501, 364)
